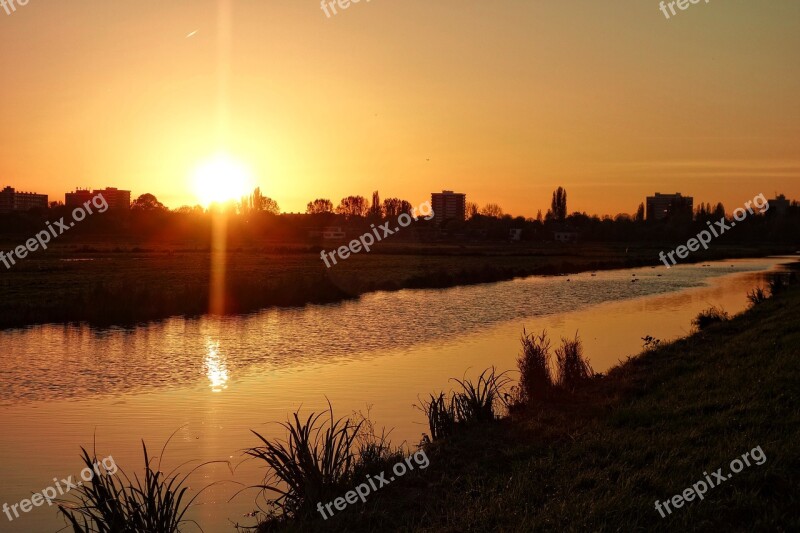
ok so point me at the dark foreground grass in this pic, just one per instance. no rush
(645, 432)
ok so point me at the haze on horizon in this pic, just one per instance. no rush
(501, 100)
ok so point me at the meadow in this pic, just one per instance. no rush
(106, 284)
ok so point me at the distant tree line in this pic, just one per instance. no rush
(258, 217)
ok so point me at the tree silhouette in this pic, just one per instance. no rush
(558, 205)
(353, 206)
(394, 207)
(471, 209)
(492, 210)
(147, 202)
(376, 211)
(640, 213)
(319, 206)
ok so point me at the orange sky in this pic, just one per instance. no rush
(503, 100)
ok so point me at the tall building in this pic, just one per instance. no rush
(663, 206)
(779, 205)
(77, 198)
(115, 198)
(11, 200)
(448, 205)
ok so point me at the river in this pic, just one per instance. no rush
(214, 379)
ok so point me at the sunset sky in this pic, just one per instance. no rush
(502, 100)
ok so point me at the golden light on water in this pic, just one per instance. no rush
(216, 368)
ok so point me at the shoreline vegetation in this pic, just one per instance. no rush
(569, 449)
(122, 287)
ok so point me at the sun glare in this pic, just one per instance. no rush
(221, 179)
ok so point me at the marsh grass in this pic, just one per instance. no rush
(441, 413)
(311, 465)
(115, 503)
(481, 401)
(574, 369)
(757, 296)
(710, 316)
(535, 366)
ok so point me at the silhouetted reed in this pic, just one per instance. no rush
(311, 465)
(757, 296)
(710, 316)
(536, 378)
(574, 369)
(113, 503)
(476, 402)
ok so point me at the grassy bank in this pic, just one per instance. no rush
(645, 432)
(110, 286)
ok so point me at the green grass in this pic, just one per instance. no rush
(646, 431)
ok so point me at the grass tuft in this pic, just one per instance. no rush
(536, 378)
(710, 316)
(113, 503)
(311, 465)
(574, 369)
(481, 401)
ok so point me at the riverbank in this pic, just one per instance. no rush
(105, 287)
(647, 431)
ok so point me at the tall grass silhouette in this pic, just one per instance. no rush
(115, 503)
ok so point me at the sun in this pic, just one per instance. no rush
(220, 179)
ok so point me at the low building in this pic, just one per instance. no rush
(330, 233)
(115, 198)
(665, 206)
(566, 236)
(11, 200)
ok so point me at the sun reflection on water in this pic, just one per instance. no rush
(216, 368)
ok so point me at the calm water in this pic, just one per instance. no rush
(213, 380)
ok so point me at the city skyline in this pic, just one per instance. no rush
(634, 104)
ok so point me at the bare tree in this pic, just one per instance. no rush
(492, 210)
(472, 210)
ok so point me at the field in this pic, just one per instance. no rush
(105, 285)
